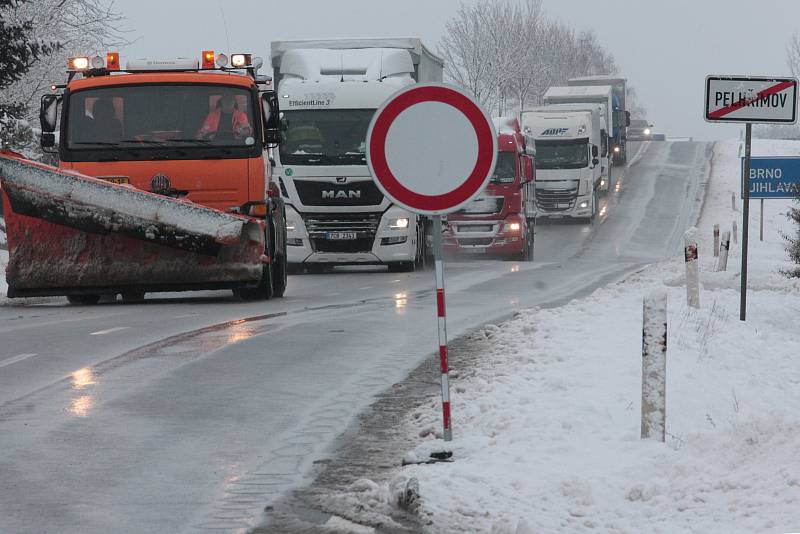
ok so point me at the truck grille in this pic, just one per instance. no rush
(556, 199)
(364, 193)
(483, 206)
(320, 225)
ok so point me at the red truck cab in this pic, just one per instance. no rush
(501, 220)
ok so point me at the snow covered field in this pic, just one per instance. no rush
(547, 427)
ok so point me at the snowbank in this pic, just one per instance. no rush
(547, 427)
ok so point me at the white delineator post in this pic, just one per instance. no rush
(716, 240)
(735, 232)
(654, 366)
(733, 201)
(724, 247)
(442, 318)
(692, 271)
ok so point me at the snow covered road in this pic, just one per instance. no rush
(176, 415)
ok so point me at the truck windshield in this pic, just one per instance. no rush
(142, 121)
(562, 154)
(325, 136)
(505, 171)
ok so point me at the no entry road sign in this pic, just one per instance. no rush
(431, 148)
(773, 177)
(751, 99)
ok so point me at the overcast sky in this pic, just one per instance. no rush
(664, 47)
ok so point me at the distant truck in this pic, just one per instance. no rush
(597, 95)
(502, 220)
(329, 90)
(621, 116)
(568, 171)
(598, 117)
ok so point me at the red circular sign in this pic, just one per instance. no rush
(443, 132)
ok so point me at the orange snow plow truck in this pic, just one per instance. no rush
(163, 183)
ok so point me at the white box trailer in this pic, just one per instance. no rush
(621, 116)
(329, 91)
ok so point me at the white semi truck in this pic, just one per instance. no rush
(568, 171)
(598, 118)
(329, 91)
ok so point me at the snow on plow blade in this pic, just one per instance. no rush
(70, 234)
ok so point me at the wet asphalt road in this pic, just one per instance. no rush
(178, 415)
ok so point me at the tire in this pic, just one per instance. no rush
(280, 267)
(263, 291)
(401, 267)
(83, 300)
(133, 297)
(421, 260)
(527, 247)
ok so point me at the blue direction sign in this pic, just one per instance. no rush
(773, 177)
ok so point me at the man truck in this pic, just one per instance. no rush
(502, 220)
(329, 91)
(621, 117)
(568, 169)
(163, 183)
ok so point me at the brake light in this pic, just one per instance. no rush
(208, 59)
(112, 61)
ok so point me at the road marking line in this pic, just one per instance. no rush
(363, 288)
(15, 359)
(187, 315)
(108, 331)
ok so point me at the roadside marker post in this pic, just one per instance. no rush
(432, 149)
(749, 100)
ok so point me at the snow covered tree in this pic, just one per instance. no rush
(793, 241)
(507, 53)
(21, 50)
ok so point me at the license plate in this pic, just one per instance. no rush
(116, 179)
(341, 236)
(475, 250)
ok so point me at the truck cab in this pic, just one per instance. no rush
(568, 171)
(195, 132)
(329, 91)
(501, 221)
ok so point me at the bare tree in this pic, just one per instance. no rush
(507, 53)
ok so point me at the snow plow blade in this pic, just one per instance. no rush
(72, 234)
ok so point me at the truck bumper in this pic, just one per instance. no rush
(309, 238)
(482, 238)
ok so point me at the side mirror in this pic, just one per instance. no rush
(595, 161)
(48, 112)
(627, 118)
(595, 152)
(271, 109)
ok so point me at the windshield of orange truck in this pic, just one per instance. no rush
(562, 154)
(325, 136)
(153, 117)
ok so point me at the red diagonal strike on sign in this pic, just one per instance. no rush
(742, 103)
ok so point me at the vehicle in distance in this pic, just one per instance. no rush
(640, 130)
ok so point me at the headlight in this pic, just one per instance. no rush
(399, 223)
(647, 131)
(616, 149)
(512, 227)
(584, 204)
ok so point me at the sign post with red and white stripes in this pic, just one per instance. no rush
(432, 149)
(749, 99)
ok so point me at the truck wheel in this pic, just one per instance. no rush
(83, 300)
(527, 246)
(263, 291)
(133, 297)
(280, 277)
(401, 267)
(422, 250)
